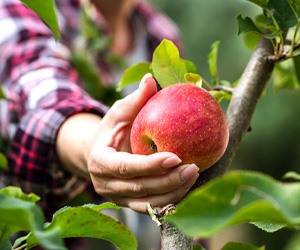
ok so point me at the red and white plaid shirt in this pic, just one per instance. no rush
(42, 89)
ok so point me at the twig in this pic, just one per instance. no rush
(224, 88)
(171, 237)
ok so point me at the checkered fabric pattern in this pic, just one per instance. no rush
(42, 89)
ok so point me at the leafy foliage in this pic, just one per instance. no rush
(241, 246)
(3, 162)
(212, 61)
(18, 212)
(167, 66)
(134, 74)
(92, 83)
(47, 11)
(279, 22)
(239, 197)
(87, 221)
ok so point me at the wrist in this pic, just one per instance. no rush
(74, 141)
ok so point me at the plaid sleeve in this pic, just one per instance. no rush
(42, 90)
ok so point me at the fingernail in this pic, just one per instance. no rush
(189, 172)
(171, 162)
(143, 81)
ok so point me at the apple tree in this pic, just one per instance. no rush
(220, 198)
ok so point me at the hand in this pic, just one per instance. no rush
(135, 180)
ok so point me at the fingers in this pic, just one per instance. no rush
(159, 190)
(150, 185)
(159, 200)
(109, 163)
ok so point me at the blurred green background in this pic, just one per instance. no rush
(273, 145)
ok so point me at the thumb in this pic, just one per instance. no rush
(127, 108)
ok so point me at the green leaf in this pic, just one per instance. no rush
(2, 94)
(104, 205)
(241, 246)
(295, 5)
(198, 247)
(90, 76)
(268, 226)
(247, 25)
(134, 74)
(292, 175)
(89, 29)
(88, 72)
(190, 66)
(20, 215)
(3, 162)
(5, 245)
(16, 192)
(249, 197)
(272, 35)
(86, 221)
(285, 75)
(212, 60)
(251, 40)
(261, 3)
(283, 13)
(47, 12)
(168, 68)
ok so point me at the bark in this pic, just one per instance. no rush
(239, 113)
(171, 237)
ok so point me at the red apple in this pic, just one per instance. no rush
(184, 119)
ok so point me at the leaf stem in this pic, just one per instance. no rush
(278, 49)
(207, 84)
(294, 39)
(20, 247)
(224, 88)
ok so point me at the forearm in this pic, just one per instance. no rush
(73, 142)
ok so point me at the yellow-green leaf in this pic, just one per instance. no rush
(168, 68)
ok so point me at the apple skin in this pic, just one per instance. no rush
(183, 119)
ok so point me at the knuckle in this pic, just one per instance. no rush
(100, 189)
(138, 189)
(123, 169)
(94, 168)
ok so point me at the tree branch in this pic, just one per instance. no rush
(171, 237)
(242, 105)
(239, 113)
